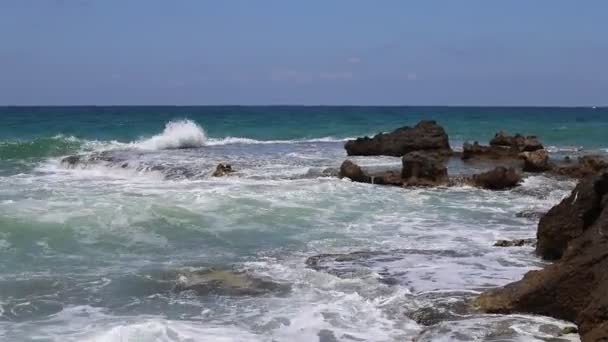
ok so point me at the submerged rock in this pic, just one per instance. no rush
(423, 169)
(425, 136)
(229, 283)
(530, 214)
(536, 161)
(515, 243)
(575, 232)
(500, 178)
(222, 170)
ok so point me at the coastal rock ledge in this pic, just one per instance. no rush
(575, 287)
(426, 136)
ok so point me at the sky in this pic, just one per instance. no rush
(313, 52)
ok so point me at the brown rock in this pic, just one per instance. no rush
(515, 243)
(574, 288)
(502, 146)
(423, 169)
(222, 170)
(516, 142)
(350, 170)
(425, 136)
(500, 178)
(536, 161)
(586, 166)
(571, 217)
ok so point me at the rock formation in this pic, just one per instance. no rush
(536, 161)
(502, 146)
(222, 170)
(574, 288)
(500, 178)
(425, 136)
(423, 169)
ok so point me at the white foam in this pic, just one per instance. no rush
(177, 134)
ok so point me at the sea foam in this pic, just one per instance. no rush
(177, 134)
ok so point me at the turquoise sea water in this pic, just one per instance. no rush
(96, 252)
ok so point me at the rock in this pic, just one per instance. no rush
(425, 136)
(227, 282)
(502, 146)
(530, 214)
(570, 218)
(222, 170)
(423, 169)
(330, 172)
(586, 166)
(350, 170)
(567, 160)
(515, 243)
(71, 160)
(569, 330)
(500, 178)
(516, 142)
(536, 161)
(387, 178)
(575, 232)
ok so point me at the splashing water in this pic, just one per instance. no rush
(176, 135)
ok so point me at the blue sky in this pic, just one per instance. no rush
(516, 52)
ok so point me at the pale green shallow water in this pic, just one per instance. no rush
(90, 254)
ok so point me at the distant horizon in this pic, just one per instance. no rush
(303, 105)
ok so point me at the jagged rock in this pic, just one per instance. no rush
(536, 161)
(569, 330)
(425, 136)
(530, 214)
(330, 172)
(574, 288)
(500, 178)
(423, 169)
(516, 142)
(501, 146)
(226, 282)
(586, 166)
(71, 160)
(350, 170)
(222, 170)
(515, 243)
(570, 218)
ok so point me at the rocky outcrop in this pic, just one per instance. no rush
(425, 136)
(536, 161)
(516, 142)
(575, 232)
(500, 178)
(222, 170)
(502, 146)
(586, 166)
(421, 169)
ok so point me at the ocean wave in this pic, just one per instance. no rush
(39, 148)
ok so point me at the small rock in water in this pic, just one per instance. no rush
(569, 330)
(530, 214)
(230, 283)
(222, 170)
(536, 161)
(515, 243)
(500, 178)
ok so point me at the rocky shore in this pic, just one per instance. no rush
(573, 234)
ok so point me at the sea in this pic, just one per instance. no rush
(143, 244)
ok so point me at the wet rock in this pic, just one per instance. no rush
(350, 170)
(222, 170)
(570, 218)
(502, 146)
(569, 330)
(530, 214)
(423, 169)
(575, 232)
(71, 160)
(228, 283)
(536, 161)
(515, 243)
(425, 136)
(586, 166)
(500, 178)
(330, 172)
(516, 142)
